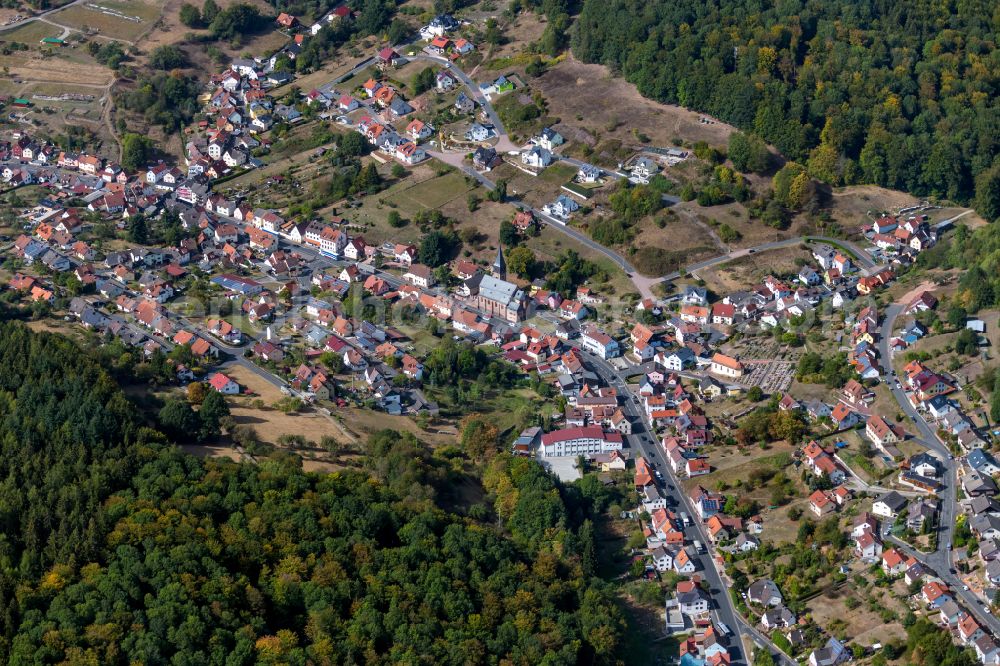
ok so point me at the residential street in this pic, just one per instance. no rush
(643, 442)
(642, 283)
(940, 560)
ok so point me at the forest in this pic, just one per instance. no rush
(976, 254)
(116, 548)
(902, 95)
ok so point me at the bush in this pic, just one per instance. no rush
(168, 57)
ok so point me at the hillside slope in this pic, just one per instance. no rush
(902, 95)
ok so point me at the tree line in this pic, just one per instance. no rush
(903, 95)
(118, 548)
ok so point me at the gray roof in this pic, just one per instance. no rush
(979, 458)
(763, 590)
(988, 547)
(500, 291)
(893, 500)
(779, 614)
(950, 608)
(993, 569)
(692, 596)
(400, 107)
(983, 504)
(923, 509)
(692, 290)
(976, 482)
(985, 522)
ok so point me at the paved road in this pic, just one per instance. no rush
(940, 560)
(40, 16)
(471, 85)
(357, 68)
(642, 440)
(971, 602)
(926, 436)
(861, 257)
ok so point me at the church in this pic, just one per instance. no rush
(497, 297)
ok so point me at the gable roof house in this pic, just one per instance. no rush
(726, 366)
(880, 432)
(889, 505)
(764, 592)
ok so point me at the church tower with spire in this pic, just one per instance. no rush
(499, 268)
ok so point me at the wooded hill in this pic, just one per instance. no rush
(900, 94)
(116, 548)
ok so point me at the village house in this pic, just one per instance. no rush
(726, 366)
(224, 384)
(764, 592)
(419, 275)
(889, 505)
(880, 432)
(599, 343)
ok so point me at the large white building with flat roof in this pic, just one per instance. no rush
(580, 441)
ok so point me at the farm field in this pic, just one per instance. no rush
(432, 193)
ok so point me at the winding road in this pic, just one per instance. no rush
(644, 284)
(940, 560)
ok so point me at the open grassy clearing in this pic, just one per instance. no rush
(212, 451)
(31, 33)
(622, 109)
(745, 271)
(270, 423)
(363, 422)
(433, 193)
(735, 215)
(523, 31)
(56, 89)
(558, 173)
(867, 623)
(8, 87)
(682, 242)
(58, 71)
(90, 20)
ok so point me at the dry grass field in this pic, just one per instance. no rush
(38, 69)
(270, 423)
(618, 108)
(126, 21)
(30, 33)
(863, 624)
(745, 271)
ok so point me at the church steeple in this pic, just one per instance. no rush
(500, 264)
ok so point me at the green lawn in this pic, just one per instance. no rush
(432, 193)
(558, 173)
